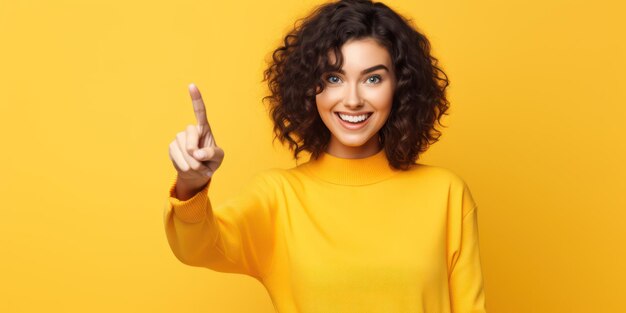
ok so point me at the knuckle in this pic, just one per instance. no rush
(189, 147)
(200, 110)
(210, 153)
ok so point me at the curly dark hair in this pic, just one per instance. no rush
(295, 76)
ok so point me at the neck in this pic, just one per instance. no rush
(370, 148)
(350, 171)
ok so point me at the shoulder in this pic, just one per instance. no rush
(435, 174)
(441, 180)
(263, 186)
(459, 193)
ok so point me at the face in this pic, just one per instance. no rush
(356, 102)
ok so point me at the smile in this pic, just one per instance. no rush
(353, 122)
(354, 119)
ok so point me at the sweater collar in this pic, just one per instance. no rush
(353, 172)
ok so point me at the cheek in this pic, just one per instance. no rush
(323, 101)
(382, 99)
(322, 106)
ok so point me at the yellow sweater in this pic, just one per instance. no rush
(342, 235)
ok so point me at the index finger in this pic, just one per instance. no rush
(198, 107)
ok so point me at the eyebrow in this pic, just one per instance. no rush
(368, 70)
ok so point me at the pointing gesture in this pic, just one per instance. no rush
(194, 153)
(199, 110)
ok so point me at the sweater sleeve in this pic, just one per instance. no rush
(465, 272)
(235, 237)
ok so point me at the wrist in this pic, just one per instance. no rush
(192, 180)
(187, 188)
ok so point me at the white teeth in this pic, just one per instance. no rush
(353, 118)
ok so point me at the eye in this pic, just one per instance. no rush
(332, 79)
(376, 79)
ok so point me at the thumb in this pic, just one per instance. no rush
(207, 153)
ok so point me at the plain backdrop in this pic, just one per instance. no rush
(93, 92)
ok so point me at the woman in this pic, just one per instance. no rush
(360, 227)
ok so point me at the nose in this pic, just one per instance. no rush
(352, 98)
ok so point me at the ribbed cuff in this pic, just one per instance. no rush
(192, 210)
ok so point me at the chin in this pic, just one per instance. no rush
(353, 143)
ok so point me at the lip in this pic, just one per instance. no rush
(351, 126)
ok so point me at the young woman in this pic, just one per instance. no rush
(361, 226)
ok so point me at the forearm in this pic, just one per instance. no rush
(190, 225)
(192, 243)
(197, 239)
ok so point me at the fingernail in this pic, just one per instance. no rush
(199, 154)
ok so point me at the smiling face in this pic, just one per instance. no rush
(356, 101)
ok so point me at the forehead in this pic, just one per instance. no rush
(362, 53)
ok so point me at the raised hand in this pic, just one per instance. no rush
(194, 153)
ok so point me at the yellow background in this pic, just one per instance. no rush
(92, 93)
